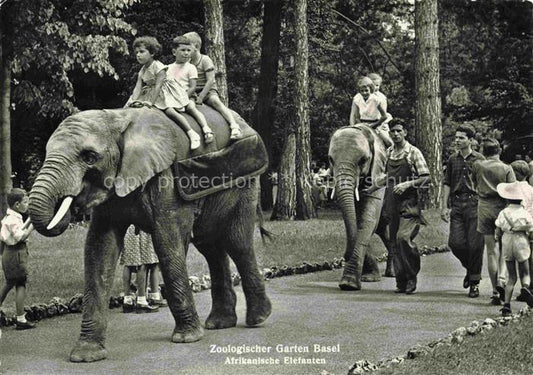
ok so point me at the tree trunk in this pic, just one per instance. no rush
(268, 86)
(285, 207)
(304, 202)
(428, 103)
(214, 32)
(5, 116)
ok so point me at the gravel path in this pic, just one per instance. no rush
(308, 311)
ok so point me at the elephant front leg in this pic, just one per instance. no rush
(101, 254)
(367, 213)
(169, 246)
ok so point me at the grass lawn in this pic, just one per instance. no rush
(56, 264)
(482, 354)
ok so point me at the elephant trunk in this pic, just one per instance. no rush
(53, 186)
(345, 186)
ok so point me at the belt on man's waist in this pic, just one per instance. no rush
(16, 247)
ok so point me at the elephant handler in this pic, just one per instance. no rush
(464, 240)
(407, 171)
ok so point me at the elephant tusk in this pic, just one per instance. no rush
(356, 194)
(332, 192)
(60, 213)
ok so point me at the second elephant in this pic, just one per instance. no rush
(357, 160)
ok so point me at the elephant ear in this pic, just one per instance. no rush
(148, 146)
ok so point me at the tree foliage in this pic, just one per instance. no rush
(485, 61)
(53, 38)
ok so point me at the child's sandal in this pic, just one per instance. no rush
(194, 138)
(209, 137)
(235, 133)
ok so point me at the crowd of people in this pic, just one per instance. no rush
(491, 211)
(488, 203)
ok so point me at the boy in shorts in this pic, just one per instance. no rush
(14, 233)
(514, 242)
(206, 89)
(486, 175)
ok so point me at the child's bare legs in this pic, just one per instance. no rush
(20, 297)
(494, 263)
(126, 280)
(179, 119)
(5, 291)
(199, 117)
(511, 281)
(530, 261)
(385, 137)
(525, 280)
(142, 302)
(523, 271)
(153, 277)
(215, 102)
(141, 282)
(155, 295)
(127, 305)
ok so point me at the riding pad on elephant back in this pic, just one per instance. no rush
(222, 164)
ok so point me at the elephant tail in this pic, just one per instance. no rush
(264, 232)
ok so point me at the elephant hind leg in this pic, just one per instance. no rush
(238, 243)
(222, 313)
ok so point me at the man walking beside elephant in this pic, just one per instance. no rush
(466, 242)
(406, 171)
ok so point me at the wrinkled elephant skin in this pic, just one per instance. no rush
(119, 163)
(357, 159)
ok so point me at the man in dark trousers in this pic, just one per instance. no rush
(407, 171)
(464, 240)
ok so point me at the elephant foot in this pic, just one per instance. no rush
(88, 351)
(221, 321)
(371, 277)
(192, 335)
(259, 312)
(349, 283)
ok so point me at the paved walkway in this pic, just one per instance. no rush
(308, 310)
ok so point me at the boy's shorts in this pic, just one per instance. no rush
(515, 247)
(14, 264)
(487, 213)
(211, 92)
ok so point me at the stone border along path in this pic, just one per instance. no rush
(454, 338)
(58, 306)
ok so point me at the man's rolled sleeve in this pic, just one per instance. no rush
(420, 163)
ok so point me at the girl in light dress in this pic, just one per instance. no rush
(177, 87)
(368, 108)
(155, 88)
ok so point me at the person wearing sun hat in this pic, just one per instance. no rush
(514, 227)
(523, 173)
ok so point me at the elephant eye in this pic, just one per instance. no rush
(90, 157)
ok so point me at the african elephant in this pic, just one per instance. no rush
(357, 159)
(121, 164)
